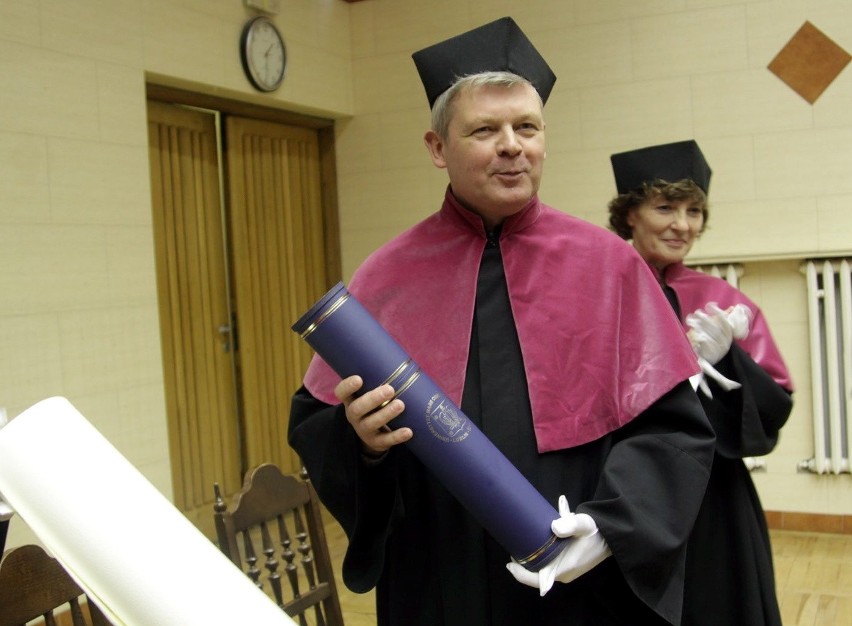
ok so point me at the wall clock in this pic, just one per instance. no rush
(263, 53)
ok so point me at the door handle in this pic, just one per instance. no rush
(225, 330)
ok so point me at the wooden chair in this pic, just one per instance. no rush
(276, 518)
(33, 585)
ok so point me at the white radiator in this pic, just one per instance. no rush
(830, 322)
(730, 272)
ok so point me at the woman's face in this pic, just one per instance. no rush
(664, 230)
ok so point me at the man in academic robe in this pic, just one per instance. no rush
(554, 339)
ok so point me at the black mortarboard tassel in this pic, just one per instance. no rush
(497, 46)
(670, 162)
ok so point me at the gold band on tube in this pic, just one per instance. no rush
(387, 380)
(396, 373)
(411, 380)
(538, 552)
(337, 304)
(403, 386)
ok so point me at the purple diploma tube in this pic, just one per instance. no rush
(445, 440)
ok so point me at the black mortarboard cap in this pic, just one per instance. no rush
(497, 46)
(670, 162)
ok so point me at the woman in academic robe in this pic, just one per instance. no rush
(744, 386)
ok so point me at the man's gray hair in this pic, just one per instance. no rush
(442, 109)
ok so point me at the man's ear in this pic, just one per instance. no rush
(435, 146)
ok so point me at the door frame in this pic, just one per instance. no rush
(170, 90)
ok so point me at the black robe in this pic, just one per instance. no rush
(4, 529)
(431, 562)
(730, 578)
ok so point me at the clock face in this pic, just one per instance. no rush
(263, 53)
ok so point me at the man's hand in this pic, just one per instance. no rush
(585, 549)
(370, 413)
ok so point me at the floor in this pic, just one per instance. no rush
(358, 609)
(813, 572)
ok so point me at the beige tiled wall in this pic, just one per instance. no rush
(78, 312)
(78, 316)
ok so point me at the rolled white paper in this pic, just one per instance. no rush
(140, 558)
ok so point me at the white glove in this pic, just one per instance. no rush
(711, 333)
(712, 330)
(739, 317)
(699, 382)
(584, 551)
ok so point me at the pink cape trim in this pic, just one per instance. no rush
(599, 340)
(695, 290)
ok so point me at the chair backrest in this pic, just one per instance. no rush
(275, 522)
(34, 584)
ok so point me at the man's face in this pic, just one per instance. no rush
(494, 149)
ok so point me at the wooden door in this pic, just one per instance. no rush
(232, 278)
(192, 286)
(279, 264)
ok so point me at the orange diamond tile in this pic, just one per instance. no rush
(809, 62)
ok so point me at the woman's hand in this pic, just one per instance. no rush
(712, 330)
